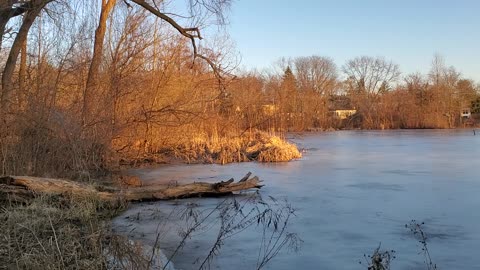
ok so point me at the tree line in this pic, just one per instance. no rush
(88, 84)
(303, 93)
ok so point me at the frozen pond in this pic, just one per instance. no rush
(352, 190)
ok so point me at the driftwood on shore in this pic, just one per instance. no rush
(25, 187)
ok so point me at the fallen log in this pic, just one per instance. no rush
(23, 187)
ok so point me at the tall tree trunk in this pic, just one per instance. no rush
(22, 73)
(13, 8)
(3, 25)
(5, 15)
(92, 78)
(7, 78)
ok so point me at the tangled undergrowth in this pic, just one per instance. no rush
(63, 233)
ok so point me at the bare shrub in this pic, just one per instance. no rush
(235, 215)
(379, 260)
(416, 228)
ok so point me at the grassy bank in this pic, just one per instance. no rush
(73, 232)
(55, 233)
(65, 233)
(203, 148)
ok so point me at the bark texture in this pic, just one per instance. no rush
(25, 187)
(7, 76)
(93, 72)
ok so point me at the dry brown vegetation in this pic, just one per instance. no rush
(128, 87)
(88, 86)
(303, 93)
(202, 148)
(64, 232)
(55, 233)
(71, 232)
(122, 83)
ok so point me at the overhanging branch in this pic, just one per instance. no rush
(192, 33)
(16, 8)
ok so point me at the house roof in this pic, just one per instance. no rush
(340, 102)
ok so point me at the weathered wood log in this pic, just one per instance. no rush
(196, 189)
(14, 193)
(245, 178)
(26, 186)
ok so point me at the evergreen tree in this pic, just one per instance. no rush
(289, 83)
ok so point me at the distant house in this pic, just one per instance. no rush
(341, 107)
(466, 113)
(343, 114)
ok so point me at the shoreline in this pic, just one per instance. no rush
(158, 166)
(401, 172)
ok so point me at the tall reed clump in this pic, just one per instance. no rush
(257, 146)
(275, 149)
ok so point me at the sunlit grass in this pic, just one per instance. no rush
(258, 146)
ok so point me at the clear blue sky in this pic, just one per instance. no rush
(409, 32)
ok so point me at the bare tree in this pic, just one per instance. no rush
(316, 73)
(32, 10)
(370, 75)
(217, 7)
(10, 9)
(440, 74)
(438, 69)
(92, 79)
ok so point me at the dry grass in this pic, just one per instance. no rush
(197, 146)
(60, 233)
(259, 146)
(275, 149)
